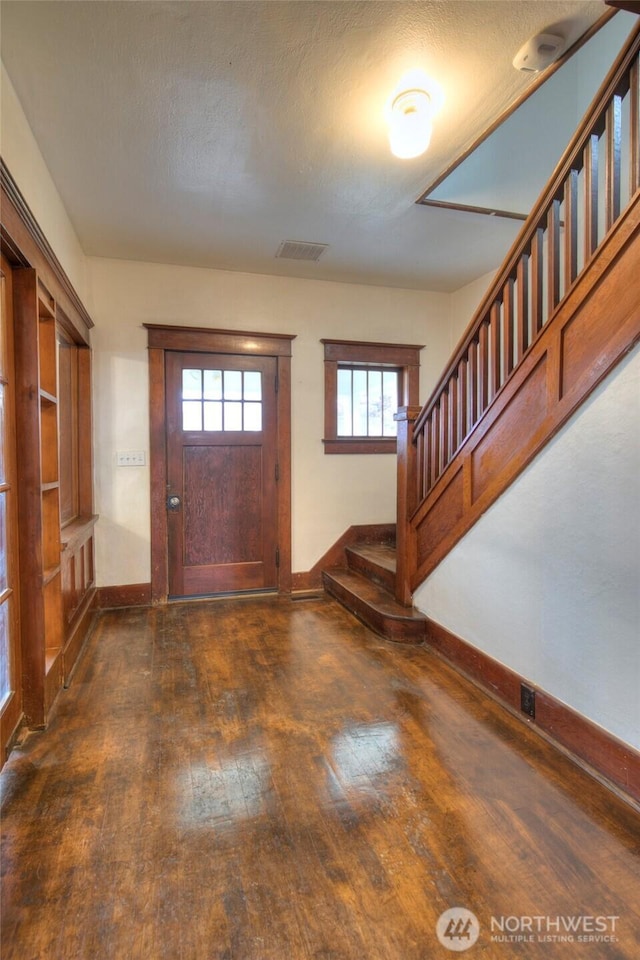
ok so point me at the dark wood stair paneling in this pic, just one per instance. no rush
(376, 561)
(375, 606)
(550, 328)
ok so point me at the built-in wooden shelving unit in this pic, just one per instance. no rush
(50, 494)
(50, 533)
(56, 554)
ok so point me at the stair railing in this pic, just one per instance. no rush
(594, 181)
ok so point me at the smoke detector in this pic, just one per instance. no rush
(539, 52)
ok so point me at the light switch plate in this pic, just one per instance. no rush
(130, 458)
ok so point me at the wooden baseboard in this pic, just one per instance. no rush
(311, 580)
(611, 761)
(124, 595)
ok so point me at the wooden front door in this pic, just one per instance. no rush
(222, 504)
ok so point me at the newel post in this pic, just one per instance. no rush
(406, 559)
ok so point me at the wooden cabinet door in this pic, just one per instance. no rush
(221, 470)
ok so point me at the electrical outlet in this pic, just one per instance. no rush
(130, 458)
(528, 701)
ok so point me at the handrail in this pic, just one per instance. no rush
(582, 201)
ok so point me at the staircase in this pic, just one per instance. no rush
(365, 585)
(559, 315)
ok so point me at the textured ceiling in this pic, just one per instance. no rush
(207, 133)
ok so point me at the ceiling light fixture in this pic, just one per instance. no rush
(410, 126)
(410, 114)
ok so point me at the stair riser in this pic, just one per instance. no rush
(380, 575)
(400, 631)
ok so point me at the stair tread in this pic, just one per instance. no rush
(376, 596)
(381, 554)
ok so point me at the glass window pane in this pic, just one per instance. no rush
(212, 415)
(3, 347)
(5, 674)
(389, 402)
(2, 433)
(213, 384)
(3, 541)
(232, 415)
(232, 385)
(191, 415)
(253, 416)
(191, 384)
(345, 418)
(375, 403)
(253, 385)
(360, 402)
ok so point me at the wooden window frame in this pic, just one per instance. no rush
(404, 357)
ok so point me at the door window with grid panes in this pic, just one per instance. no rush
(222, 400)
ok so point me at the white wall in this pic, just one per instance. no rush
(464, 303)
(22, 156)
(329, 492)
(547, 582)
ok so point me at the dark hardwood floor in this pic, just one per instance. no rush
(264, 779)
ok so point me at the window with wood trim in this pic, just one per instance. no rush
(364, 384)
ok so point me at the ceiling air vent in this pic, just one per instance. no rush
(299, 250)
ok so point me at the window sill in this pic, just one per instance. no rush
(360, 445)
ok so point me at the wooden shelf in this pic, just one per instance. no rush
(76, 531)
(46, 303)
(50, 657)
(50, 528)
(52, 592)
(47, 356)
(49, 573)
(49, 472)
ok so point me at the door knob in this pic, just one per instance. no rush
(173, 502)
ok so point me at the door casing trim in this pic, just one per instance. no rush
(162, 338)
